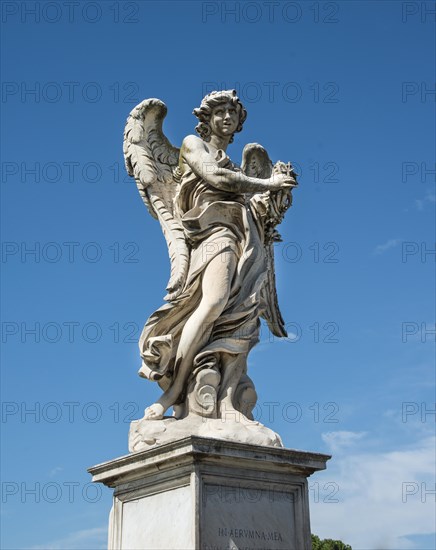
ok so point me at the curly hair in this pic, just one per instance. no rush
(209, 102)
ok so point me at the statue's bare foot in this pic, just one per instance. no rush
(154, 412)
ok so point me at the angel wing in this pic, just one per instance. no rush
(152, 161)
(270, 207)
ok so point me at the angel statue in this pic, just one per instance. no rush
(219, 223)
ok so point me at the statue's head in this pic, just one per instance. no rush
(209, 103)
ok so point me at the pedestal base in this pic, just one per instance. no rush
(202, 493)
(145, 434)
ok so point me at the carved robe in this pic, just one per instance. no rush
(216, 223)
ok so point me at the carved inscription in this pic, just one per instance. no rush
(246, 518)
(250, 534)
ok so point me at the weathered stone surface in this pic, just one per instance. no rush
(201, 493)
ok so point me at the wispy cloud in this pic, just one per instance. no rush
(382, 248)
(339, 440)
(372, 507)
(419, 204)
(430, 197)
(86, 539)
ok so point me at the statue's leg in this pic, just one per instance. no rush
(216, 285)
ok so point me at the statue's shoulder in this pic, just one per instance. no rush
(192, 142)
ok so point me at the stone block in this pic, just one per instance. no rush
(208, 494)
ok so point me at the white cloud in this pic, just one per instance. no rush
(341, 439)
(86, 539)
(376, 509)
(391, 243)
(420, 203)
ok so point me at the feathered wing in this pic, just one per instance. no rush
(271, 312)
(270, 207)
(152, 161)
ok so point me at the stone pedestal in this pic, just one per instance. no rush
(206, 494)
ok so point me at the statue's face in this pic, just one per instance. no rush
(224, 120)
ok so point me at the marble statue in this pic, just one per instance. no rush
(219, 221)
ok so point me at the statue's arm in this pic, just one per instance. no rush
(203, 163)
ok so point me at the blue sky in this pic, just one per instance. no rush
(343, 90)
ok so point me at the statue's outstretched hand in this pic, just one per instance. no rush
(282, 181)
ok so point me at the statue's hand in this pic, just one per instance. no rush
(282, 181)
